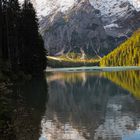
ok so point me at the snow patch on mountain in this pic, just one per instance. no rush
(136, 4)
(47, 7)
(108, 8)
(111, 26)
(113, 9)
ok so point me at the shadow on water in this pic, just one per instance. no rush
(88, 106)
(21, 117)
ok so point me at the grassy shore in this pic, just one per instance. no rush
(59, 62)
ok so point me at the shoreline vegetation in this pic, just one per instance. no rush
(60, 62)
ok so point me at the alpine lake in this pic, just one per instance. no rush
(77, 105)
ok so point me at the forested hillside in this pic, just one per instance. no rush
(127, 54)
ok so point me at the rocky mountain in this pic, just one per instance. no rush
(95, 26)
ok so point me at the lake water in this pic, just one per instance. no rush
(80, 106)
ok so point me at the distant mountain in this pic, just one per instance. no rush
(127, 54)
(96, 26)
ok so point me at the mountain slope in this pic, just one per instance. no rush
(127, 54)
(96, 26)
(80, 29)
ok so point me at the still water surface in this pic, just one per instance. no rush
(80, 106)
(92, 106)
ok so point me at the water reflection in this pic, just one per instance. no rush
(92, 106)
(31, 109)
(73, 106)
(28, 102)
(129, 80)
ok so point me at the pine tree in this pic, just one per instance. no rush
(4, 28)
(9, 11)
(1, 28)
(13, 13)
(20, 41)
(33, 54)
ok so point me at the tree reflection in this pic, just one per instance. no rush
(129, 80)
(28, 106)
(97, 109)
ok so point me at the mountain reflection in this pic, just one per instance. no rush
(88, 106)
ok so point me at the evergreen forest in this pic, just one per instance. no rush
(21, 45)
(127, 54)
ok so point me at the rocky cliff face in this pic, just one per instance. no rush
(80, 28)
(96, 26)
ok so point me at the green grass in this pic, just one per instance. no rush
(58, 62)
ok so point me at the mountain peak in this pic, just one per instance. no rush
(46, 7)
(136, 4)
(107, 7)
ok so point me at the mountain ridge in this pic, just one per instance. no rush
(60, 18)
